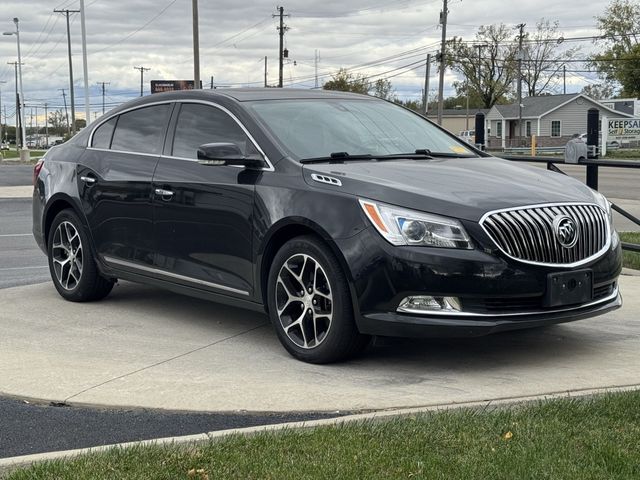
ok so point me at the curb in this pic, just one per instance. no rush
(11, 463)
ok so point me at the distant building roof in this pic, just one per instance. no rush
(457, 112)
(535, 107)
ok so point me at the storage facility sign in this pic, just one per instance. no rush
(623, 129)
(158, 86)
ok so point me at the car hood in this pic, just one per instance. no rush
(463, 188)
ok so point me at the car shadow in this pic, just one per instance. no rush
(539, 346)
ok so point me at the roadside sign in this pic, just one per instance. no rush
(158, 86)
(627, 129)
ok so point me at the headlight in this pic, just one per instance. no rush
(602, 201)
(400, 226)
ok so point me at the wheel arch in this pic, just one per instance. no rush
(281, 233)
(56, 204)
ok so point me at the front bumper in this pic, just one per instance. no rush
(497, 293)
(475, 325)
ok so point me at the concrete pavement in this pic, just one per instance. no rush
(147, 347)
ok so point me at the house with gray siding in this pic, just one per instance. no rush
(553, 119)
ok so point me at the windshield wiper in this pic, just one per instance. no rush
(340, 157)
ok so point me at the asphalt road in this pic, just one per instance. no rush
(21, 261)
(15, 175)
(28, 428)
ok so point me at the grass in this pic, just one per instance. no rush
(623, 153)
(13, 155)
(630, 259)
(592, 438)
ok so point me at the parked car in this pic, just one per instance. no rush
(468, 136)
(343, 216)
(4, 146)
(611, 145)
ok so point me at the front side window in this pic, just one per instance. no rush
(528, 128)
(499, 129)
(556, 129)
(141, 130)
(319, 127)
(200, 124)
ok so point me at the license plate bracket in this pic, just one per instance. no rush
(569, 288)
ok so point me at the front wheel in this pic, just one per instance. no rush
(310, 305)
(71, 263)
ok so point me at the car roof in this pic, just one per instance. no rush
(241, 95)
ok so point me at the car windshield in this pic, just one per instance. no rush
(319, 127)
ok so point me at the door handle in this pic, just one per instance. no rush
(165, 194)
(89, 180)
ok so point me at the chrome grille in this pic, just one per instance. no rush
(528, 234)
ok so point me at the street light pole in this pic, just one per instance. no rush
(24, 152)
(196, 46)
(1, 82)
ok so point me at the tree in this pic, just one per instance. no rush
(488, 64)
(620, 60)
(543, 57)
(57, 121)
(348, 82)
(599, 91)
(382, 88)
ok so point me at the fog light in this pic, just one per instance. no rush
(427, 304)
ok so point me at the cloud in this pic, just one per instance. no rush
(235, 37)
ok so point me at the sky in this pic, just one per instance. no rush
(236, 36)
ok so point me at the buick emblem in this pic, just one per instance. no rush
(566, 231)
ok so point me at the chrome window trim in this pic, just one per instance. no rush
(269, 168)
(599, 253)
(511, 314)
(144, 268)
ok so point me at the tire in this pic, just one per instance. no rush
(72, 265)
(324, 303)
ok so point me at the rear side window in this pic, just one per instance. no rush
(199, 124)
(141, 130)
(102, 135)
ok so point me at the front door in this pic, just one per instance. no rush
(203, 213)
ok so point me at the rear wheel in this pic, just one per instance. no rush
(310, 305)
(71, 263)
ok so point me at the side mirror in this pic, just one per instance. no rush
(216, 154)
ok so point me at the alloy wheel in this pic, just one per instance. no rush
(67, 255)
(304, 301)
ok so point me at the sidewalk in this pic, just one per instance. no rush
(150, 348)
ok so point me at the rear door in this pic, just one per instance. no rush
(203, 213)
(114, 180)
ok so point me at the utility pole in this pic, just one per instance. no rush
(142, 70)
(520, 55)
(211, 87)
(443, 54)
(316, 60)
(71, 89)
(281, 31)
(66, 114)
(46, 124)
(265, 72)
(196, 46)
(102, 84)
(24, 153)
(1, 137)
(15, 66)
(85, 66)
(425, 95)
(564, 79)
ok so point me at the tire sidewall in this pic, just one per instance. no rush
(87, 257)
(342, 322)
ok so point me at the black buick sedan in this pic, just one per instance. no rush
(343, 216)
